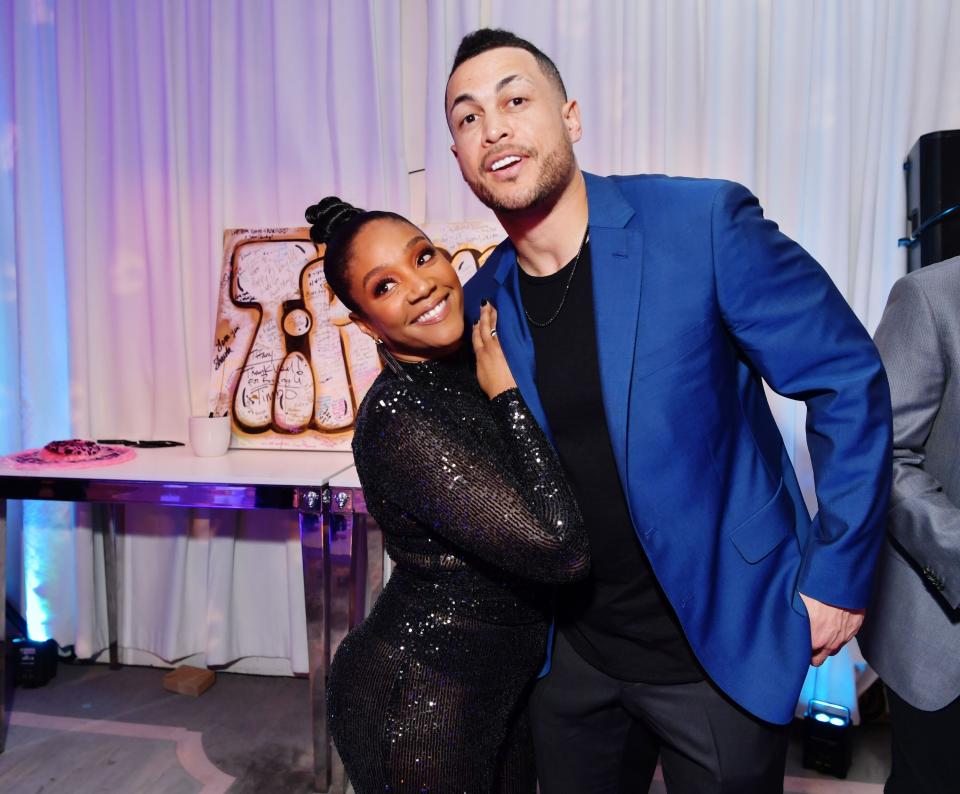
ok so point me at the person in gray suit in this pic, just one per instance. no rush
(911, 635)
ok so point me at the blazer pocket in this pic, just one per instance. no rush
(670, 352)
(766, 529)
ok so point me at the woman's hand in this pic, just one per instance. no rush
(493, 372)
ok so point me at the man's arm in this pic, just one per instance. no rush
(924, 523)
(795, 328)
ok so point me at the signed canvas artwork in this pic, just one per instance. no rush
(289, 367)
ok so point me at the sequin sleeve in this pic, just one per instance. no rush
(510, 506)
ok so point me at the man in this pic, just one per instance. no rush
(912, 637)
(639, 315)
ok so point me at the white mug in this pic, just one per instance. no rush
(209, 435)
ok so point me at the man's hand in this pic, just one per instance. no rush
(830, 628)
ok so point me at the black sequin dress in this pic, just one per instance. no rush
(427, 694)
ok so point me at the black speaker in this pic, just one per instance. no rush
(826, 738)
(933, 199)
(34, 663)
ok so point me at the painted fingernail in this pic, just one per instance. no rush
(483, 301)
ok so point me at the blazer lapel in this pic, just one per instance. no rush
(514, 335)
(615, 255)
(616, 262)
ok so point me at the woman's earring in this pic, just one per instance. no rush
(390, 362)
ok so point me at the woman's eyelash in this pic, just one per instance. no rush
(425, 255)
(381, 286)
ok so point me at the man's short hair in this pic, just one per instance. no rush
(484, 39)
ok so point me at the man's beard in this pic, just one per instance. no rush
(555, 174)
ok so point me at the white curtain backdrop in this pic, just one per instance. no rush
(160, 124)
(133, 133)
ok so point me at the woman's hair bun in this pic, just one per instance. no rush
(327, 215)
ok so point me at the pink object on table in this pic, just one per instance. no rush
(72, 454)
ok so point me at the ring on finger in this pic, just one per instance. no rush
(493, 332)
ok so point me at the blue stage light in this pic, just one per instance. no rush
(833, 713)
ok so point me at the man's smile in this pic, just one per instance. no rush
(504, 162)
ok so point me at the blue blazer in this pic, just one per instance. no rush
(699, 299)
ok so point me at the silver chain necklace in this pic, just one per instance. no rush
(566, 289)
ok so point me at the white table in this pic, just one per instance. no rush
(342, 570)
(348, 478)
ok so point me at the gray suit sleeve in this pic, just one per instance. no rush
(923, 522)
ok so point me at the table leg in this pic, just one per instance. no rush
(343, 608)
(115, 527)
(375, 573)
(367, 567)
(3, 625)
(358, 571)
(316, 587)
(108, 521)
(342, 575)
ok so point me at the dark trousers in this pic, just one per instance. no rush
(598, 735)
(925, 751)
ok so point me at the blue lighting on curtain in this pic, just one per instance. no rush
(34, 330)
(834, 682)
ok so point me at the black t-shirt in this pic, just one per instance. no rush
(618, 619)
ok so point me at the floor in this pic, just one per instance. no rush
(96, 731)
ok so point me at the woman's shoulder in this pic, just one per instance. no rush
(392, 416)
(388, 399)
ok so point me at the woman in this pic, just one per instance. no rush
(426, 694)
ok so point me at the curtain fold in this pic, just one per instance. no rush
(446, 196)
(34, 304)
(132, 134)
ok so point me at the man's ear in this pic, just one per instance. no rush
(571, 120)
(453, 150)
(363, 325)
